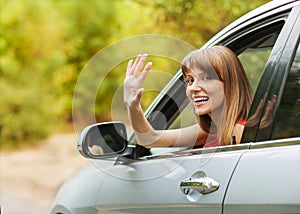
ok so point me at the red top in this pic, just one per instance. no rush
(212, 143)
(215, 141)
(242, 122)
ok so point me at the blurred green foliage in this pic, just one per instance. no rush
(45, 44)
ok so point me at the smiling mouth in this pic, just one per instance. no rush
(200, 100)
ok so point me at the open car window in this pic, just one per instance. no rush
(253, 48)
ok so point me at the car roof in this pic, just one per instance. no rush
(265, 10)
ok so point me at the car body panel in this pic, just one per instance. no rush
(143, 184)
(266, 180)
(87, 181)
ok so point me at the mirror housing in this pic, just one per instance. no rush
(103, 140)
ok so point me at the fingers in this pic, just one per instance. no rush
(135, 75)
(143, 74)
(262, 101)
(259, 108)
(148, 66)
(145, 71)
(128, 70)
(136, 67)
(270, 106)
(140, 64)
(268, 116)
(274, 98)
(271, 103)
(135, 64)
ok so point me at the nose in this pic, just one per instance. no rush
(196, 86)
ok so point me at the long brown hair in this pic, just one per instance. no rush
(221, 62)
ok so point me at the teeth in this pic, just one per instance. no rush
(200, 99)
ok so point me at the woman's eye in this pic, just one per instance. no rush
(206, 78)
(189, 81)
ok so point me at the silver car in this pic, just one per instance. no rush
(260, 175)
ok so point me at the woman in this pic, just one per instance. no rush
(220, 93)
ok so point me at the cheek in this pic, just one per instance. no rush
(214, 87)
(216, 91)
(188, 92)
(220, 91)
(220, 97)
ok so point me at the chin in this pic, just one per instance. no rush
(201, 112)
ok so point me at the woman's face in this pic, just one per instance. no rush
(205, 93)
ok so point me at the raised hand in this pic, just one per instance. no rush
(254, 119)
(135, 75)
(267, 119)
(268, 115)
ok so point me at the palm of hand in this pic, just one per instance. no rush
(133, 80)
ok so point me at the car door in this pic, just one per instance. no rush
(266, 179)
(153, 185)
(153, 182)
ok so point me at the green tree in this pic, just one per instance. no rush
(195, 21)
(44, 45)
(30, 48)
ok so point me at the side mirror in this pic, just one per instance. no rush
(103, 140)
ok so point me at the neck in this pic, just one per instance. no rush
(217, 118)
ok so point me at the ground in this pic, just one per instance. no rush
(30, 178)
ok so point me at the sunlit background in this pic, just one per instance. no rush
(44, 45)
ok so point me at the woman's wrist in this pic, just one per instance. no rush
(134, 108)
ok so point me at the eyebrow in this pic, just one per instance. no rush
(197, 74)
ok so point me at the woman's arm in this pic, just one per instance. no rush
(149, 137)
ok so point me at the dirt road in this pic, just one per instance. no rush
(30, 178)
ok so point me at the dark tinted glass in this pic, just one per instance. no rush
(288, 119)
(108, 138)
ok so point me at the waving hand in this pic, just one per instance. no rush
(135, 75)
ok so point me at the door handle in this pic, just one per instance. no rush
(203, 185)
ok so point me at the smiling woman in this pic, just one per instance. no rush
(216, 85)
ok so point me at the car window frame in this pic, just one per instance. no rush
(275, 74)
